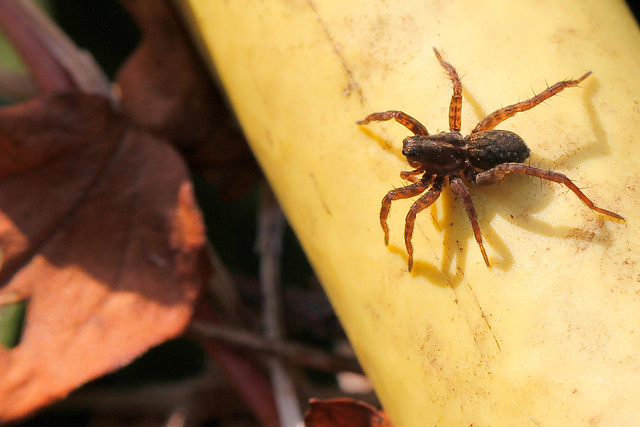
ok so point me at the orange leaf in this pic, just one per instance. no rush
(344, 412)
(100, 235)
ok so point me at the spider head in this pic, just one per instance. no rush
(411, 149)
(440, 154)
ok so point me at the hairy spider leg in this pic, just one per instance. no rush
(458, 187)
(411, 175)
(422, 203)
(498, 116)
(398, 193)
(455, 107)
(403, 118)
(495, 174)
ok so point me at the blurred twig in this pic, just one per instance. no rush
(53, 58)
(271, 224)
(297, 354)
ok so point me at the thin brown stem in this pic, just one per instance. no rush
(271, 224)
(294, 353)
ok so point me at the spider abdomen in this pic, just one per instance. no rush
(487, 149)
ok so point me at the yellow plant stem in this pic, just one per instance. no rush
(550, 335)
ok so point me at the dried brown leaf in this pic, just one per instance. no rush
(344, 412)
(99, 234)
(166, 89)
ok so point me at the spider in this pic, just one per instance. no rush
(483, 157)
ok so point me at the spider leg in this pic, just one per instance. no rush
(422, 203)
(498, 116)
(458, 187)
(403, 118)
(411, 175)
(398, 193)
(495, 174)
(455, 107)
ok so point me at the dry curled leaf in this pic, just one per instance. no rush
(100, 235)
(99, 232)
(344, 412)
(166, 89)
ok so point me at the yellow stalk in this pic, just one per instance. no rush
(550, 334)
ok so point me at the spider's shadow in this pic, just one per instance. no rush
(459, 246)
(502, 199)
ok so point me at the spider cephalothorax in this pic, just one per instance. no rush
(483, 157)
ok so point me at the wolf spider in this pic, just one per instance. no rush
(484, 157)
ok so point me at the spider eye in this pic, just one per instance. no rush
(411, 152)
(410, 147)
